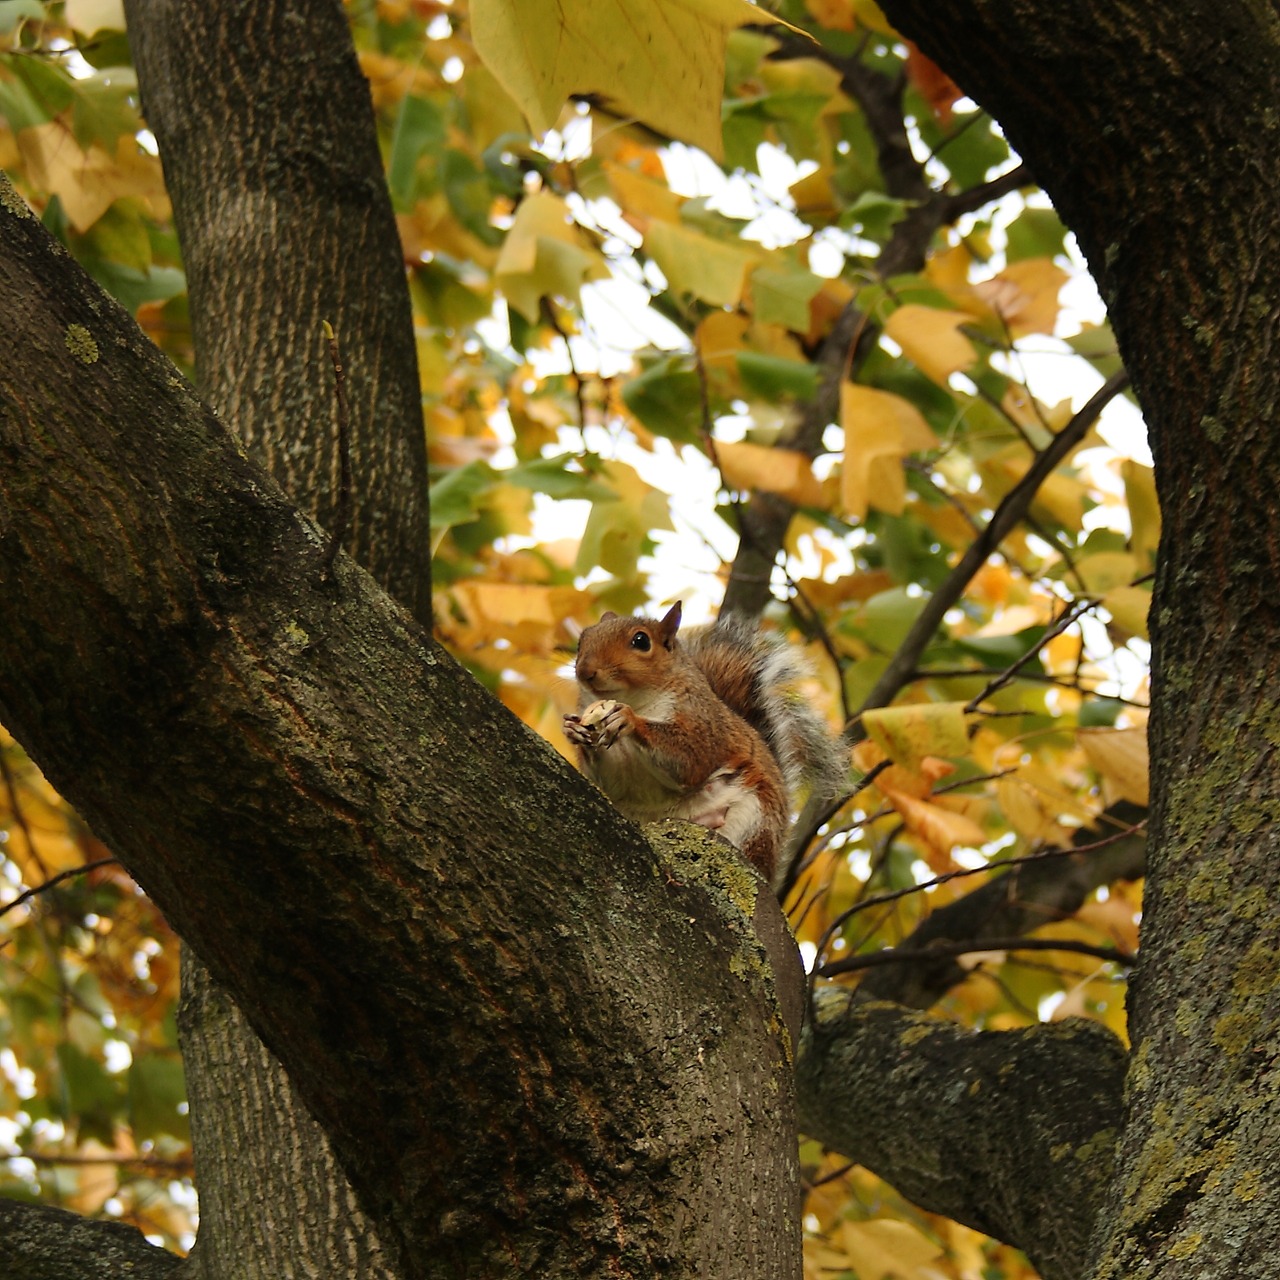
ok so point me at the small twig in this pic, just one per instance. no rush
(833, 1176)
(941, 950)
(548, 313)
(177, 1166)
(28, 894)
(1005, 517)
(1034, 677)
(342, 511)
(814, 619)
(1010, 673)
(1040, 855)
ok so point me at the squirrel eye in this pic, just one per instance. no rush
(641, 641)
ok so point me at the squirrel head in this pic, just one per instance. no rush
(621, 653)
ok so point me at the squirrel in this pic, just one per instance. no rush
(706, 727)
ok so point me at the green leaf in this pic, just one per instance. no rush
(666, 399)
(419, 131)
(775, 376)
(470, 193)
(105, 108)
(157, 1089)
(93, 1098)
(781, 295)
(131, 287)
(456, 497)
(553, 477)
(1099, 713)
(746, 128)
(619, 531)
(20, 108)
(49, 85)
(1035, 233)
(695, 264)
(121, 236)
(13, 12)
(973, 151)
(888, 617)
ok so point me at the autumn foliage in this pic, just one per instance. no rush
(778, 263)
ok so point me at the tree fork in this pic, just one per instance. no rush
(246, 738)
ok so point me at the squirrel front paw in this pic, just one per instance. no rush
(600, 725)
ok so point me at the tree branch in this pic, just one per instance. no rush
(1034, 893)
(243, 735)
(38, 1242)
(987, 1128)
(1012, 508)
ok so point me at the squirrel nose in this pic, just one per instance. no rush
(586, 673)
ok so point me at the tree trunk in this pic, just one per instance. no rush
(1155, 131)
(271, 159)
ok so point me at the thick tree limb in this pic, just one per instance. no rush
(38, 1242)
(327, 807)
(1010, 1132)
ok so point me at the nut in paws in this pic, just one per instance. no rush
(606, 721)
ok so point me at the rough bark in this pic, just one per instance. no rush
(1010, 1132)
(271, 158)
(1154, 130)
(518, 1065)
(270, 155)
(273, 1201)
(39, 1242)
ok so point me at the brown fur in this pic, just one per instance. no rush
(660, 741)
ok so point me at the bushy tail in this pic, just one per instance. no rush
(758, 675)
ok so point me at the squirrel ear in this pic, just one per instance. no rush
(607, 614)
(669, 625)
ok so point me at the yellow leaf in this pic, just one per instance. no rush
(490, 111)
(720, 337)
(931, 339)
(1061, 497)
(783, 471)
(1031, 813)
(940, 829)
(910, 732)
(696, 264)
(1144, 510)
(949, 270)
(867, 755)
(1025, 295)
(543, 256)
(1128, 607)
(1120, 756)
(91, 16)
(1115, 918)
(879, 430)
(616, 528)
(659, 61)
(95, 1184)
(835, 15)
(640, 198)
(887, 1247)
(89, 182)
(869, 14)
(1105, 570)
